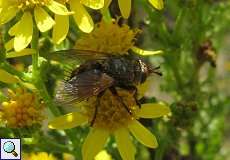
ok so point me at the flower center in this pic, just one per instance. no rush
(111, 113)
(22, 109)
(109, 37)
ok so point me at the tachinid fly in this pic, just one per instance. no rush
(99, 72)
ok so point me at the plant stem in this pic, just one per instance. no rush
(45, 95)
(106, 15)
(48, 144)
(5, 65)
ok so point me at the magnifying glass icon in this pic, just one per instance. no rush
(9, 147)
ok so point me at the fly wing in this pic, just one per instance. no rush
(82, 86)
(77, 55)
(73, 58)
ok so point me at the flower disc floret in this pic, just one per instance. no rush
(111, 113)
(22, 110)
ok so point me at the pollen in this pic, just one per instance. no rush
(22, 110)
(111, 113)
(109, 37)
(27, 4)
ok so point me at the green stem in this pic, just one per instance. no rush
(34, 45)
(45, 95)
(49, 144)
(106, 15)
(36, 75)
(6, 66)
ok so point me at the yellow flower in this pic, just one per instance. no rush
(125, 6)
(23, 29)
(39, 156)
(81, 17)
(109, 37)
(22, 110)
(113, 118)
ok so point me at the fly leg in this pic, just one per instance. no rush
(114, 92)
(96, 107)
(134, 89)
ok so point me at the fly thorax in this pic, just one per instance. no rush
(120, 69)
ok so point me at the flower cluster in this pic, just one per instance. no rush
(107, 115)
(22, 110)
(22, 31)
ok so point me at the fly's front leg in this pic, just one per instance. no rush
(114, 92)
(96, 107)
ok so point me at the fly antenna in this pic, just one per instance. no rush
(155, 70)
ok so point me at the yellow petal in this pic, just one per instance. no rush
(94, 143)
(13, 30)
(24, 32)
(142, 134)
(7, 14)
(81, 16)
(9, 45)
(29, 86)
(7, 77)
(60, 29)
(125, 7)
(124, 144)
(43, 20)
(144, 52)
(94, 4)
(58, 8)
(158, 4)
(23, 52)
(153, 110)
(143, 88)
(68, 121)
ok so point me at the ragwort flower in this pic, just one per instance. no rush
(22, 110)
(23, 29)
(112, 118)
(125, 6)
